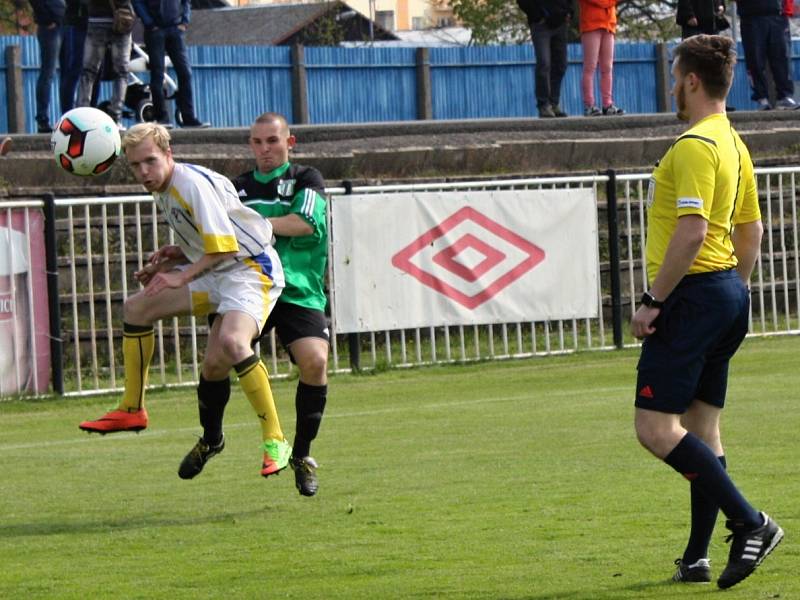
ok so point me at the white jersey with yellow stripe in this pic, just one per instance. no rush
(204, 210)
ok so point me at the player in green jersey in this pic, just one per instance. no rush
(291, 197)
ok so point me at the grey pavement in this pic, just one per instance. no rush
(423, 150)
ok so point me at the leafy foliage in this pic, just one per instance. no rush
(645, 20)
(492, 21)
(15, 17)
(501, 21)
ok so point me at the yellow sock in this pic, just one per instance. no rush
(255, 383)
(137, 351)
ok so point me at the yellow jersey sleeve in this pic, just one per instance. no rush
(694, 171)
(750, 210)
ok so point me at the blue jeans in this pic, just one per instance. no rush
(98, 36)
(72, 42)
(170, 41)
(49, 47)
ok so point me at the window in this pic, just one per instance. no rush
(385, 18)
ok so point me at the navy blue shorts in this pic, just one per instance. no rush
(700, 327)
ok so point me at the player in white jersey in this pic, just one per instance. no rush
(224, 264)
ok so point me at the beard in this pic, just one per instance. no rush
(680, 103)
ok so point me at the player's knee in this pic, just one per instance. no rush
(658, 437)
(135, 310)
(649, 434)
(216, 365)
(215, 370)
(709, 435)
(314, 368)
(233, 347)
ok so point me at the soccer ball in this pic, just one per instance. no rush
(85, 141)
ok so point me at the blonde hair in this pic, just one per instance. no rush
(141, 131)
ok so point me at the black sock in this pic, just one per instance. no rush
(309, 404)
(212, 396)
(696, 462)
(704, 518)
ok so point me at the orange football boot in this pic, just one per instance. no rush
(117, 420)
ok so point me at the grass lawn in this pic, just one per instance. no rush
(512, 480)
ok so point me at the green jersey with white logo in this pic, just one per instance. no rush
(299, 190)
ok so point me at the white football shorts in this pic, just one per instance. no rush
(251, 286)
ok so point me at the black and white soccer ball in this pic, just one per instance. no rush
(85, 141)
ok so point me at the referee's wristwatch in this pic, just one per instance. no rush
(650, 301)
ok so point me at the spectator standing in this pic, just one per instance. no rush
(165, 24)
(763, 27)
(49, 17)
(598, 25)
(788, 12)
(701, 16)
(548, 21)
(73, 39)
(104, 30)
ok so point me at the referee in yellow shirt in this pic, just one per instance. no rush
(703, 234)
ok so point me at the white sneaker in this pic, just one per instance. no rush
(763, 104)
(787, 103)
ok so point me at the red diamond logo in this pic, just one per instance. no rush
(452, 258)
(447, 258)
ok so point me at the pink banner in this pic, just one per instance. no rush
(24, 321)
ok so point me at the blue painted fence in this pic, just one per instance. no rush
(234, 84)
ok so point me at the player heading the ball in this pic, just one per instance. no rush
(223, 264)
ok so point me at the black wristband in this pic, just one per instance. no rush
(650, 301)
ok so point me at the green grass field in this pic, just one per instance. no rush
(511, 480)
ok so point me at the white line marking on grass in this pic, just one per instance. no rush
(123, 437)
(437, 405)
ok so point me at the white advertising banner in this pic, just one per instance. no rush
(461, 258)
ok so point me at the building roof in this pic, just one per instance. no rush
(419, 38)
(278, 24)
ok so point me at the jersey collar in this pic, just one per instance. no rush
(267, 177)
(710, 117)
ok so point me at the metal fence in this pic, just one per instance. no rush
(98, 242)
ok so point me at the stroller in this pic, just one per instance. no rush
(138, 102)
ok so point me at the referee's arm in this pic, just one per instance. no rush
(685, 244)
(746, 243)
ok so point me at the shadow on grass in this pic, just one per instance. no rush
(645, 589)
(132, 522)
